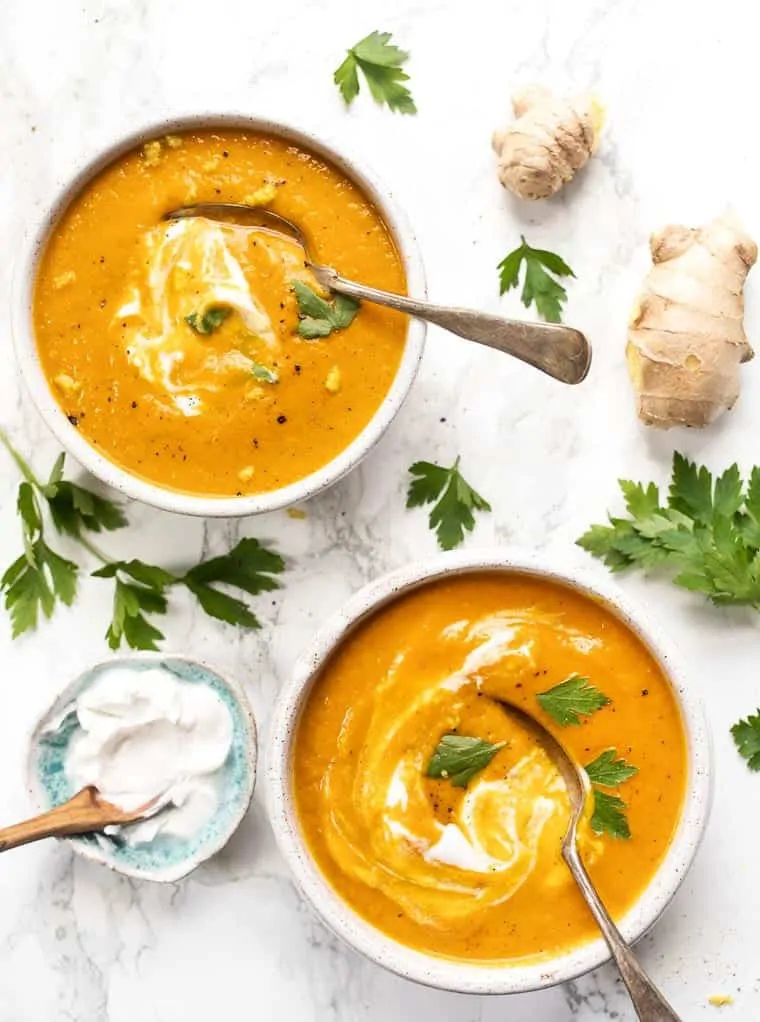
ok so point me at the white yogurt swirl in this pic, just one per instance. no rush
(147, 733)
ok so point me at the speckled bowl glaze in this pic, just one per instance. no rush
(449, 974)
(151, 493)
(163, 860)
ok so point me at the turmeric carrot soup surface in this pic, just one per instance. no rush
(175, 347)
(475, 872)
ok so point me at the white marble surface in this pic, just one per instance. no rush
(679, 80)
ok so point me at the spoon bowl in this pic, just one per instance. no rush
(557, 350)
(649, 1003)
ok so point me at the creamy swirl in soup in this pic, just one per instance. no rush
(475, 871)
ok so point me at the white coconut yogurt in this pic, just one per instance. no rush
(146, 734)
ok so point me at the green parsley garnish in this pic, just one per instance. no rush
(539, 287)
(458, 758)
(572, 699)
(41, 578)
(381, 64)
(746, 735)
(708, 532)
(608, 770)
(456, 500)
(610, 815)
(264, 373)
(318, 318)
(209, 320)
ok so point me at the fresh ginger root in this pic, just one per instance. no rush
(686, 337)
(550, 140)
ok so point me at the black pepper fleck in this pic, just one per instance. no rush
(73, 420)
(282, 419)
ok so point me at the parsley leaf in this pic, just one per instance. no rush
(608, 770)
(708, 531)
(746, 734)
(209, 320)
(130, 604)
(610, 815)
(248, 566)
(318, 318)
(572, 699)
(264, 373)
(458, 758)
(456, 500)
(381, 64)
(33, 584)
(141, 589)
(73, 508)
(538, 286)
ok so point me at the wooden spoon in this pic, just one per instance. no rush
(557, 350)
(649, 1003)
(85, 813)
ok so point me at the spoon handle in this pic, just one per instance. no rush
(559, 351)
(81, 814)
(649, 1003)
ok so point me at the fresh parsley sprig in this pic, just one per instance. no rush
(319, 318)
(707, 531)
(607, 771)
(746, 735)
(572, 699)
(457, 758)
(454, 499)
(208, 320)
(610, 815)
(539, 286)
(41, 578)
(381, 63)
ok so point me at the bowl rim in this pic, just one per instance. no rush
(90, 851)
(209, 506)
(443, 973)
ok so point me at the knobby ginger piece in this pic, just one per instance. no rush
(686, 336)
(549, 141)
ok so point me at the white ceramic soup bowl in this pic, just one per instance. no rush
(164, 863)
(152, 493)
(445, 973)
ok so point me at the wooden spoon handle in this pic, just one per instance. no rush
(82, 814)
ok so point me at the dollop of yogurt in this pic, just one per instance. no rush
(147, 733)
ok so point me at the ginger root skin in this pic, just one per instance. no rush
(686, 337)
(549, 141)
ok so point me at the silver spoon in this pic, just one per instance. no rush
(649, 1003)
(559, 351)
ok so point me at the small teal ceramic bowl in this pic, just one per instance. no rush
(166, 858)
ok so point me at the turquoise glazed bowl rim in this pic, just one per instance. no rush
(243, 718)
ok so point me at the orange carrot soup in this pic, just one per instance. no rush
(436, 816)
(203, 356)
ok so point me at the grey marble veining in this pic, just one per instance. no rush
(679, 80)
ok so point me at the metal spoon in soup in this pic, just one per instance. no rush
(649, 1003)
(559, 351)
